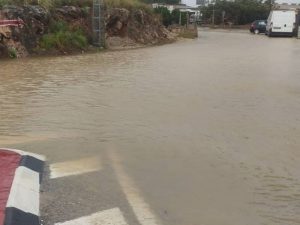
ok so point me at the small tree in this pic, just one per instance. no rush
(169, 18)
(239, 11)
(171, 2)
(165, 15)
(269, 4)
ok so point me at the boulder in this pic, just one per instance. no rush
(70, 12)
(36, 20)
(25, 37)
(136, 24)
(116, 21)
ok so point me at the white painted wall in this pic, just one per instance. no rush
(191, 3)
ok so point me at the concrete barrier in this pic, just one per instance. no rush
(20, 178)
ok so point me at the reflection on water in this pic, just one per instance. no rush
(236, 126)
(278, 198)
(29, 90)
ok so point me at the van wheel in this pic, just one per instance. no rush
(270, 34)
(256, 31)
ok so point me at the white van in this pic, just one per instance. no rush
(281, 22)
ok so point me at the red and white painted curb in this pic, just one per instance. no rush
(11, 23)
(20, 178)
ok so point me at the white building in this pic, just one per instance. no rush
(195, 3)
(181, 7)
(169, 7)
(192, 3)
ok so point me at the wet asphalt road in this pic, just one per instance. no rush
(199, 132)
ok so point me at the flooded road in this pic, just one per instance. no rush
(207, 131)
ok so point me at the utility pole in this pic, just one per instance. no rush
(271, 4)
(187, 19)
(213, 17)
(195, 20)
(179, 17)
(223, 18)
(98, 24)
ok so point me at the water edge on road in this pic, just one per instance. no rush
(208, 129)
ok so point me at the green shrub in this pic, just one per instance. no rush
(239, 11)
(128, 4)
(170, 2)
(20, 2)
(169, 18)
(165, 15)
(58, 26)
(12, 52)
(6, 2)
(80, 3)
(62, 38)
(86, 10)
(2, 3)
(48, 3)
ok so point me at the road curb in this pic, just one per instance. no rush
(22, 187)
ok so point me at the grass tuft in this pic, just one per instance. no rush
(127, 4)
(62, 38)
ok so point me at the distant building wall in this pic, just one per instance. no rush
(191, 3)
(197, 3)
(169, 7)
(286, 6)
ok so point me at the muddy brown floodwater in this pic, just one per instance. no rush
(208, 129)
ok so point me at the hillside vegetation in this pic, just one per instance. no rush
(237, 12)
(64, 26)
(128, 4)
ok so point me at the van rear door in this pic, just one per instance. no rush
(283, 21)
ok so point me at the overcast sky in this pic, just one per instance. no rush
(288, 1)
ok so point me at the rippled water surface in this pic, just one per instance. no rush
(209, 129)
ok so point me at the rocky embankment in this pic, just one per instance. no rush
(124, 29)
